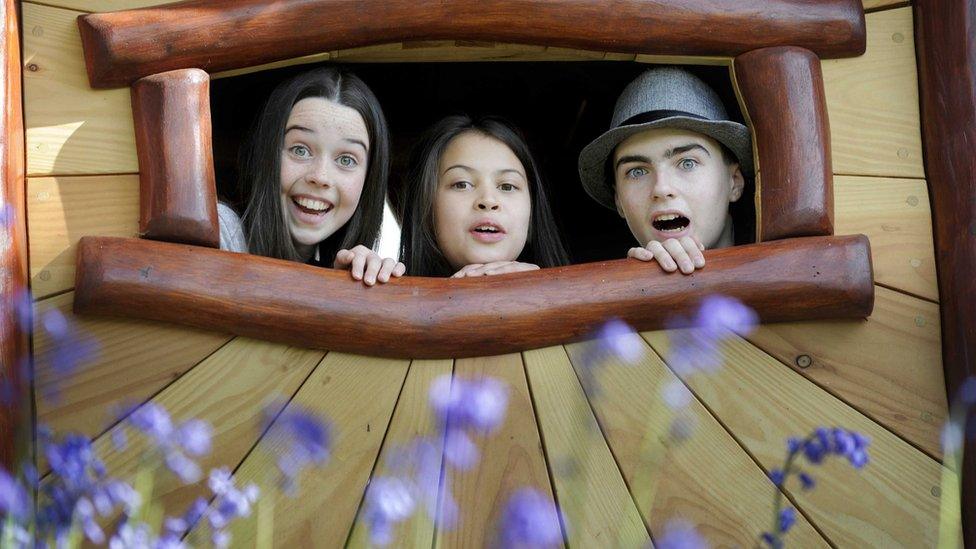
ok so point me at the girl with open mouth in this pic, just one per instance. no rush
(314, 172)
(475, 204)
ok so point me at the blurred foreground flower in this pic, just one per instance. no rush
(530, 519)
(301, 439)
(680, 534)
(816, 447)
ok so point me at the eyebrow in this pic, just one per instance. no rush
(668, 154)
(499, 172)
(359, 142)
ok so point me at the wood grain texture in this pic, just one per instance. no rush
(61, 210)
(882, 4)
(71, 128)
(804, 278)
(589, 486)
(105, 5)
(133, 361)
(888, 366)
(14, 329)
(232, 390)
(894, 215)
(511, 458)
(872, 102)
(782, 92)
(413, 419)
(946, 34)
(178, 190)
(357, 396)
(707, 479)
(123, 46)
(892, 502)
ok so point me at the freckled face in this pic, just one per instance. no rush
(672, 183)
(323, 168)
(482, 204)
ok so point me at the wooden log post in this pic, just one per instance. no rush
(945, 36)
(123, 46)
(784, 280)
(14, 297)
(782, 89)
(178, 192)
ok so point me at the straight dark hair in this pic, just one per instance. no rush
(418, 249)
(260, 167)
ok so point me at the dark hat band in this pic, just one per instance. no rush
(654, 116)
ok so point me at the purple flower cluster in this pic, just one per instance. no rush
(461, 407)
(176, 444)
(304, 439)
(531, 519)
(229, 504)
(614, 340)
(698, 349)
(815, 448)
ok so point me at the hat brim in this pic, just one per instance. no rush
(593, 158)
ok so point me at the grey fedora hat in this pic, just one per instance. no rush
(665, 97)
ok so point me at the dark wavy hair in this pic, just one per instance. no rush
(260, 167)
(418, 247)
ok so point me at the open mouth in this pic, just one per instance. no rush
(667, 223)
(487, 229)
(311, 206)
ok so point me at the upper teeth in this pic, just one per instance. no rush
(485, 228)
(312, 204)
(667, 217)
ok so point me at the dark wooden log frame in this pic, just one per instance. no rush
(14, 327)
(945, 38)
(215, 35)
(178, 191)
(782, 91)
(784, 280)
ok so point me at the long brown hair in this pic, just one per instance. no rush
(418, 248)
(260, 166)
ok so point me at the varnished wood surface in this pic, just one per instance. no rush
(123, 46)
(14, 330)
(793, 279)
(178, 191)
(946, 34)
(782, 91)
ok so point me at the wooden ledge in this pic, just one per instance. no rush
(123, 46)
(785, 280)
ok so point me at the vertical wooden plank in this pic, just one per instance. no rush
(892, 502)
(589, 486)
(357, 395)
(511, 457)
(134, 360)
(230, 390)
(707, 479)
(888, 366)
(413, 418)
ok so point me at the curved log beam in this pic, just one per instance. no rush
(177, 187)
(782, 89)
(14, 327)
(785, 280)
(121, 47)
(945, 36)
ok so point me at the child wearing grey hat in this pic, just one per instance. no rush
(670, 164)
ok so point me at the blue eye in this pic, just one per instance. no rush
(300, 151)
(347, 161)
(687, 164)
(636, 173)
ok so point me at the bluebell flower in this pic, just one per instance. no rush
(14, 500)
(698, 349)
(132, 536)
(676, 395)
(461, 404)
(69, 349)
(230, 503)
(531, 518)
(777, 476)
(304, 440)
(173, 443)
(389, 501)
(154, 421)
(806, 481)
(680, 534)
(194, 437)
(719, 315)
(787, 517)
(459, 450)
(618, 340)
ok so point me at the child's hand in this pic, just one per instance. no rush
(366, 265)
(684, 253)
(494, 268)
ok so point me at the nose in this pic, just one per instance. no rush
(663, 187)
(319, 173)
(487, 201)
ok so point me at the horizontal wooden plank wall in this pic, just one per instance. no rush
(882, 375)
